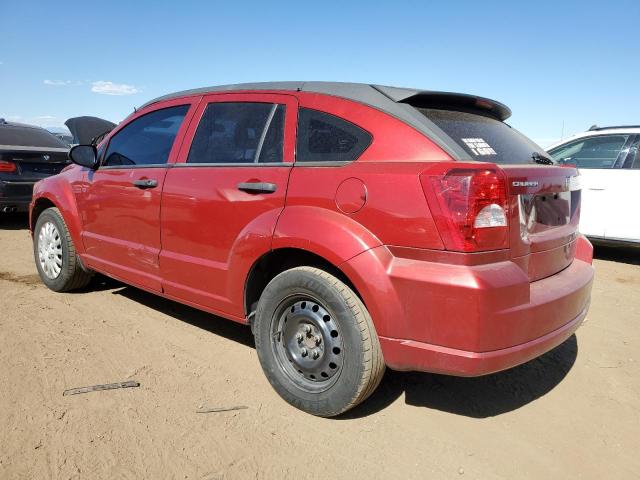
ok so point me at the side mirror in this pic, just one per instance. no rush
(85, 156)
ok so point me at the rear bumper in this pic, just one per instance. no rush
(469, 320)
(16, 194)
(418, 356)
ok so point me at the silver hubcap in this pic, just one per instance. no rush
(50, 250)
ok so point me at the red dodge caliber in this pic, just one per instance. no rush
(352, 226)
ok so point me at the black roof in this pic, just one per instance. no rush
(398, 102)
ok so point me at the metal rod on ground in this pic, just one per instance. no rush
(220, 409)
(97, 388)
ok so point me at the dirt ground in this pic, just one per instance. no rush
(573, 413)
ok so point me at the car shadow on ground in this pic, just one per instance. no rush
(479, 397)
(206, 321)
(628, 255)
(14, 221)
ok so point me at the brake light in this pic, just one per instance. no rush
(469, 207)
(7, 167)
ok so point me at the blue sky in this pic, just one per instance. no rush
(551, 62)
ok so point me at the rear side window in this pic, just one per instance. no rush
(147, 140)
(603, 151)
(239, 132)
(484, 138)
(323, 137)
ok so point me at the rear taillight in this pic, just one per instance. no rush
(7, 167)
(469, 207)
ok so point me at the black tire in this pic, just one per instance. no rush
(71, 276)
(347, 356)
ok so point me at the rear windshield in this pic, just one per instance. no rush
(485, 139)
(26, 136)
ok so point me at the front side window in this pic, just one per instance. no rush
(600, 151)
(147, 140)
(323, 137)
(239, 132)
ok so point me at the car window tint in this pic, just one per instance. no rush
(632, 158)
(323, 137)
(27, 135)
(593, 152)
(273, 143)
(239, 132)
(484, 138)
(147, 140)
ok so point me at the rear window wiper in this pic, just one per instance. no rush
(541, 159)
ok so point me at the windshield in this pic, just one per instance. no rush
(484, 138)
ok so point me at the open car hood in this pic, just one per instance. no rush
(85, 129)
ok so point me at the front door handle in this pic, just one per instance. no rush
(257, 187)
(146, 183)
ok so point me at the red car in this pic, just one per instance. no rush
(352, 226)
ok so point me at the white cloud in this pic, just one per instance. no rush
(63, 83)
(110, 88)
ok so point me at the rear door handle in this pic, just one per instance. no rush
(146, 183)
(257, 187)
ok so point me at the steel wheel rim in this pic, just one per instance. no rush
(50, 250)
(307, 343)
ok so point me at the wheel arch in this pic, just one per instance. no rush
(39, 206)
(274, 262)
(58, 194)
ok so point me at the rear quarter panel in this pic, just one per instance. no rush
(392, 210)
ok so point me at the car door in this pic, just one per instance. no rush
(599, 159)
(222, 198)
(119, 203)
(623, 222)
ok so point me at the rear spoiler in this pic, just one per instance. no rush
(429, 99)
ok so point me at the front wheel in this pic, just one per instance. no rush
(55, 254)
(316, 342)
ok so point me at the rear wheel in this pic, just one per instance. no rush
(55, 254)
(316, 342)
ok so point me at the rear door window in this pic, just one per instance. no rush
(601, 151)
(239, 132)
(323, 137)
(484, 138)
(147, 140)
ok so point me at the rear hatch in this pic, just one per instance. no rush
(543, 199)
(35, 163)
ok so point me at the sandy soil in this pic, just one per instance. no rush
(573, 413)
